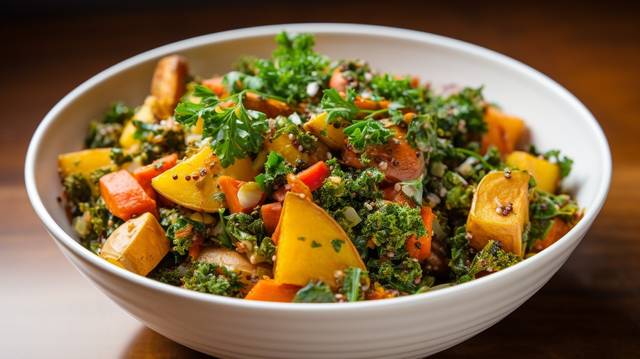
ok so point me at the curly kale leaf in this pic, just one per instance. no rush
(459, 116)
(181, 230)
(106, 132)
(565, 163)
(490, 259)
(459, 246)
(351, 284)
(370, 132)
(404, 275)
(276, 169)
(390, 226)
(213, 279)
(315, 292)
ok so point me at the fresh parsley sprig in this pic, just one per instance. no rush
(235, 131)
(369, 132)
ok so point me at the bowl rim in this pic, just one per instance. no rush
(318, 28)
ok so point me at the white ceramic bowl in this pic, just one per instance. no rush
(411, 326)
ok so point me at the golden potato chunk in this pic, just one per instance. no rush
(500, 211)
(311, 244)
(193, 183)
(330, 135)
(547, 174)
(168, 84)
(138, 245)
(143, 114)
(292, 152)
(84, 162)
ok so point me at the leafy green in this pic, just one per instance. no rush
(315, 292)
(398, 90)
(293, 66)
(157, 140)
(235, 131)
(362, 134)
(237, 81)
(107, 131)
(544, 208)
(247, 231)
(213, 279)
(459, 247)
(339, 110)
(76, 189)
(181, 231)
(459, 116)
(118, 156)
(118, 113)
(490, 259)
(404, 274)
(276, 169)
(390, 226)
(286, 126)
(351, 284)
(565, 163)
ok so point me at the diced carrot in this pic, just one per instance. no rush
(298, 186)
(269, 106)
(338, 81)
(196, 246)
(558, 229)
(270, 291)
(420, 248)
(216, 85)
(230, 187)
(124, 196)
(368, 104)
(145, 174)
(271, 215)
(315, 175)
(390, 194)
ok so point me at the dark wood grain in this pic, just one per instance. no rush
(590, 308)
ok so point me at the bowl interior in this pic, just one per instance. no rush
(556, 119)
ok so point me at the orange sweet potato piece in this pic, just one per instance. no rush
(145, 174)
(270, 291)
(420, 248)
(124, 196)
(503, 131)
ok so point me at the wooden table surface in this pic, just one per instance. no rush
(590, 308)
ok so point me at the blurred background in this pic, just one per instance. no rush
(590, 308)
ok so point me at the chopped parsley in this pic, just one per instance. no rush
(337, 245)
(366, 133)
(315, 292)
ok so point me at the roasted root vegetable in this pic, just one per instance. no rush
(270, 214)
(229, 259)
(84, 162)
(269, 290)
(315, 175)
(293, 153)
(240, 196)
(556, 230)
(269, 106)
(420, 247)
(124, 196)
(397, 159)
(138, 245)
(503, 131)
(311, 244)
(500, 211)
(145, 174)
(330, 135)
(547, 174)
(168, 84)
(193, 183)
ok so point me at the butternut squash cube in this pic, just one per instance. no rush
(84, 162)
(193, 183)
(138, 245)
(311, 244)
(503, 131)
(330, 135)
(547, 174)
(500, 211)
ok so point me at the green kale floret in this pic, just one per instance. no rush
(181, 230)
(157, 140)
(213, 279)
(490, 259)
(460, 116)
(77, 190)
(315, 292)
(247, 231)
(404, 275)
(398, 90)
(106, 132)
(390, 226)
(370, 132)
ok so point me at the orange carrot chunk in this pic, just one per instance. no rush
(296, 185)
(315, 175)
(230, 187)
(124, 196)
(420, 248)
(270, 291)
(271, 215)
(145, 174)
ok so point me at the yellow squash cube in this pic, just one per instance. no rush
(547, 174)
(500, 211)
(84, 162)
(193, 183)
(143, 114)
(138, 245)
(330, 135)
(311, 244)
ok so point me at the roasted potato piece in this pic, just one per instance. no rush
(138, 245)
(330, 135)
(503, 131)
(193, 183)
(168, 84)
(311, 244)
(500, 211)
(547, 174)
(227, 258)
(84, 162)
(143, 114)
